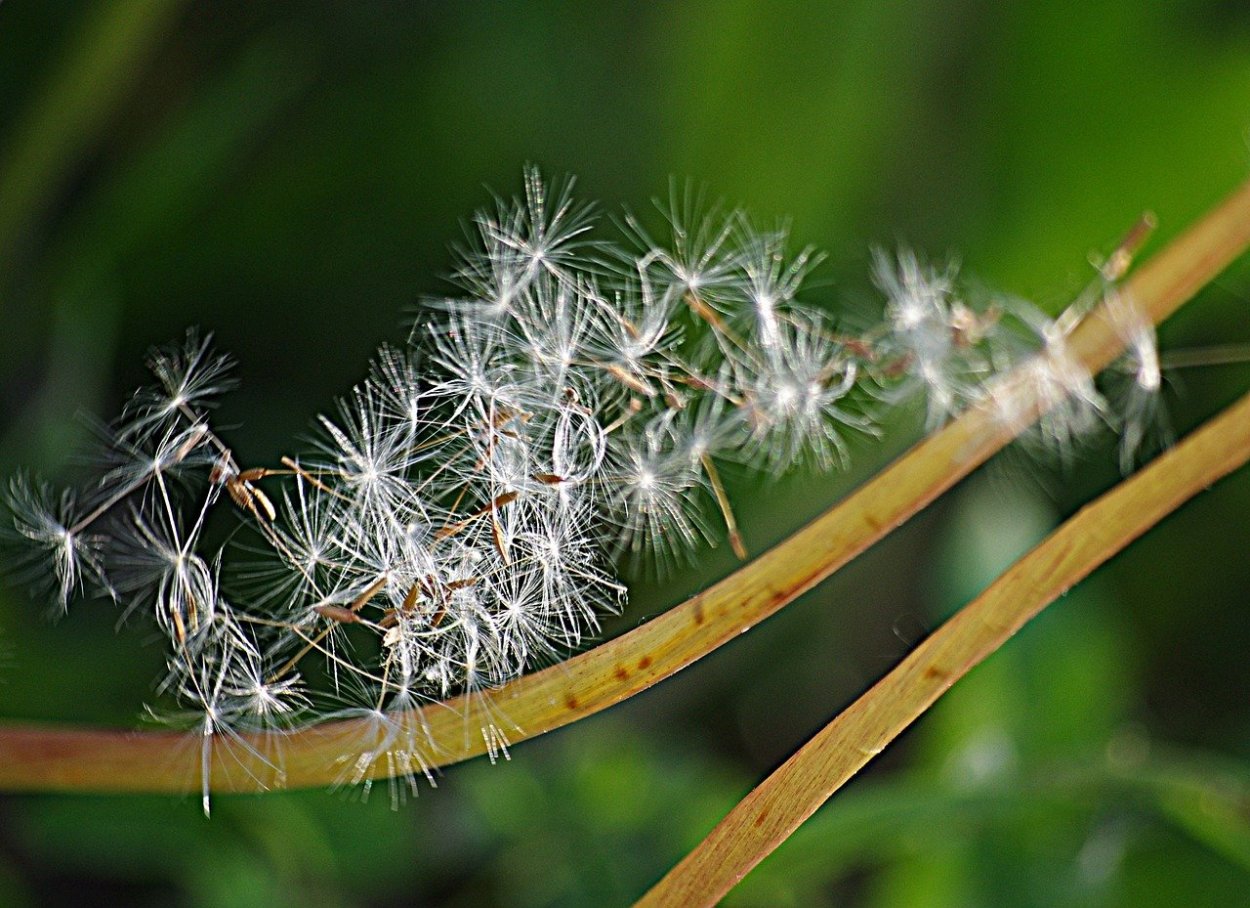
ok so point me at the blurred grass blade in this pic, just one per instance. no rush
(48, 141)
(1209, 801)
(170, 179)
(770, 813)
(40, 758)
(912, 813)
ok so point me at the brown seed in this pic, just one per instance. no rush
(337, 613)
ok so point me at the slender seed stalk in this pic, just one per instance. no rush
(726, 509)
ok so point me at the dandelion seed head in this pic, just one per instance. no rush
(457, 520)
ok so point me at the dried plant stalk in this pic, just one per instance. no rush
(770, 813)
(45, 758)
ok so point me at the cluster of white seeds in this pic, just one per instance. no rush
(459, 517)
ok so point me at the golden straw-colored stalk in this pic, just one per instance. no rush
(45, 758)
(768, 815)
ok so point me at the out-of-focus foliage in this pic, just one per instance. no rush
(289, 176)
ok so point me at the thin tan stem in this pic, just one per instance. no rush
(768, 815)
(726, 508)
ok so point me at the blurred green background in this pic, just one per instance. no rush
(289, 176)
